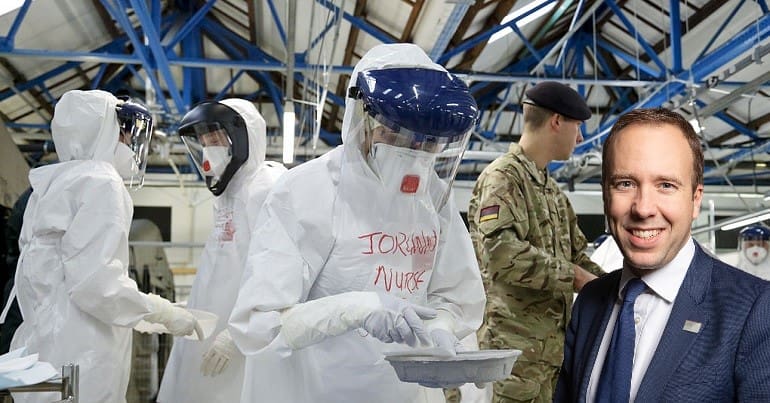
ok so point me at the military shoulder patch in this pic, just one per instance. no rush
(489, 213)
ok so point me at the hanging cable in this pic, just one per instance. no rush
(702, 134)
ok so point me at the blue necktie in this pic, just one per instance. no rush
(615, 380)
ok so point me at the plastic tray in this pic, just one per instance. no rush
(443, 372)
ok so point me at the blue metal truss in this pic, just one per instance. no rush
(177, 40)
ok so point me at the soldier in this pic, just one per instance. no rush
(529, 247)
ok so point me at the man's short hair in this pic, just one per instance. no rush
(654, 117)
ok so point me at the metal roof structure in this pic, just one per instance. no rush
(703, 58)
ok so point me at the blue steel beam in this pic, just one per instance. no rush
(329, 25)
(377, 33)
(223, 92)
(631, 59)
(190, 25)
(527, 43)
(161, 61)
(123, 21)
(11, 36)
(227, 41)
(749, 37)
(484, 36)
(738, 126)
(268, 66)
(449, 29)
(277, 20)
(637, 36)
(721, 28)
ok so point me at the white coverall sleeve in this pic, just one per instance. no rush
(455, 286)
(95, 256)
(278, 273)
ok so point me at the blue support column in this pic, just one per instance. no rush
(194, 84)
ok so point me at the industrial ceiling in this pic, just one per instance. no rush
(703, 58)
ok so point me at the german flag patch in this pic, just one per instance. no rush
(489, 213)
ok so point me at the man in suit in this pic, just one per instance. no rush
(700, 329)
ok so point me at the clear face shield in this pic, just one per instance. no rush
(754, 243)
(133, 146)
(411, 159)
(210, 148)
(417, 125)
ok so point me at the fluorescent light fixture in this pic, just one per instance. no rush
(6, 6)
(288, 133)
(745, 220)
(696, 126)
(524, 21)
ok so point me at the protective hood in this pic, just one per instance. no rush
(379, 57)
(257, 130)
(85, 126)
(226, 141)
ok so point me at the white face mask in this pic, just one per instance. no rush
(215, 160)
(125, 161)
(755, 254)
(402, 169)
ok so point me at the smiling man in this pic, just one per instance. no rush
(674, 324)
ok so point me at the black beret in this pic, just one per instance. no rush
(559, 98)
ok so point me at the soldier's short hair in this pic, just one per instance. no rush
(536, 117)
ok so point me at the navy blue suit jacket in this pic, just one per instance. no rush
(727, 360)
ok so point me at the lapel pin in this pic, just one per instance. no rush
(692, 327)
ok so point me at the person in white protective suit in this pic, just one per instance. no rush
(753, 247)
(354, 249)
(72, 283)
(227, 142)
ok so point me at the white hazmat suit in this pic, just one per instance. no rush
(331, 231)
(219, 273)
(72, 282)
(754, 250)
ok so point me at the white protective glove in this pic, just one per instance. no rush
(442, 334)
(218, 356)
(385, 317)
(397, 320)
(177, 320)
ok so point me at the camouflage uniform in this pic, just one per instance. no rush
(526, 239)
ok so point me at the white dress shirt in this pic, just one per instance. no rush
(651, 311)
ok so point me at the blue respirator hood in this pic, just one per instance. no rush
(420, 100)
(755, 232)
